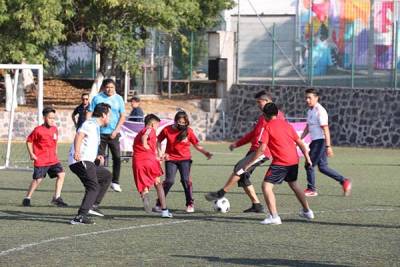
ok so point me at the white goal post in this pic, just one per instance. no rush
(17, 67)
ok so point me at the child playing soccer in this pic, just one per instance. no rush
(146, 164)
(178, 157)
(42, 148)
(82, 157)
(281, 139)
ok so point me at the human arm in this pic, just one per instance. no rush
(304, 133)
(74, 113)
(327, 134)
(203, 151)
(77, 145)
(247, 138)
(117, 129)
(304, 150)
(32, 155)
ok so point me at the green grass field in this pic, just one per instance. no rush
(361, 230)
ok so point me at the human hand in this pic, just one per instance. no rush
(329, 151)
(77, 156)
(232, 146)
(208, 155)
(33, 156)
(114, 134)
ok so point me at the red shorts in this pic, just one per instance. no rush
(145, 173)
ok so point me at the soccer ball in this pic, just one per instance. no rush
(222, 205)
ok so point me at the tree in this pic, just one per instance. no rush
(118, 29)
(29, 28)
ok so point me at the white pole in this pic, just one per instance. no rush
(126, 86)
(40, 95)
(169, 69)
(11, 126)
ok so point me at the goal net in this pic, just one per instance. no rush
(21, 104)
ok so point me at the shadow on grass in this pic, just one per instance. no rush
(38, 190)
(260, 262)
(35, 216)
(346, 224)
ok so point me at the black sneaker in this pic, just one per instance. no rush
(81, 219)
(257, 208)
(59, 202)
(96, 212)
(211, 196)
(26, 202)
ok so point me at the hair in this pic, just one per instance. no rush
(82, 95)
(135, 98)
(312, 91)
(100, 109)
(107, 81)
(270, 110)
(150, 118)
(264, 95)
(48, 110)
(179, 115)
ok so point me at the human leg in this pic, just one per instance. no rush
(186, 180)
(316, 151)
(104, 178)
(113, 144)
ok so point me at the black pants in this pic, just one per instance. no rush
(96, 181)
(113, 145)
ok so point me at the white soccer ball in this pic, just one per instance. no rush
(222, 205)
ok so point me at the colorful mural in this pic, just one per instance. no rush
(334, 24)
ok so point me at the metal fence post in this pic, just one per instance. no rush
(310, 47)
(191, 55)
(396, 54)
(353, 54)
(273, 54)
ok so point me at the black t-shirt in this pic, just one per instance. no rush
(136, 115)
(81, 111)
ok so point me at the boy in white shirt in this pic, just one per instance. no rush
(320, 147)
(83, 154)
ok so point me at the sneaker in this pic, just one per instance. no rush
(270, 220)
(156, 209)
(166, 214)
(190, 208)
(146, 202)
(211, 196)
(310, 193)
(96, 212)
(26, 202)
(116, 187)
(81, 219)
(307, 214)
(59, 202)
(256, 207)
(346, 187)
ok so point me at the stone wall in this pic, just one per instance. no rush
(361, 117)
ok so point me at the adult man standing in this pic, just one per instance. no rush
(320, 147)
(81, 111)
(110, 134)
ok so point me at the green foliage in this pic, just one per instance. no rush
(29, 28)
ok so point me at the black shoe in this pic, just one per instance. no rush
(26, 202)
(59, 202)
(211, 196)
(257, 208)
(81, 219)
(96, 212)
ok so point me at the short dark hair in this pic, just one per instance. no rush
(270, 110)
(48, 110)
(263, 95)
(135, 98)
(149, 118)
(312, 91)
(107, 81)
(100, 109)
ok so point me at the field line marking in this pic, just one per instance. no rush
(24, 246)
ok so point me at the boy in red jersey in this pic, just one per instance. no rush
(42, 149)
(178, 157)
(146, 164)
(281, 139)
(243, 178)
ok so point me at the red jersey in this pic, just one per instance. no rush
(177, 150)
(280, 138)
(254, 136)
(44, 141)
(139, 151)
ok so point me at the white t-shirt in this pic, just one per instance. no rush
(317, 117)
(90, 142)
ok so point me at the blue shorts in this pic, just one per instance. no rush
(52, 171)
(276, 174)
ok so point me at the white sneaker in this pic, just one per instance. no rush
(116, 187)
(270, 220)
(166, 214)
(308, 215)
(190, 208)
(96, 213)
